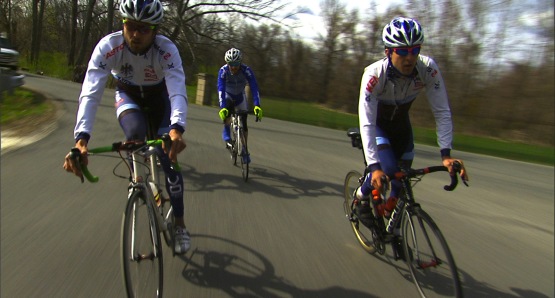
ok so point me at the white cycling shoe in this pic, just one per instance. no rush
(182, 240)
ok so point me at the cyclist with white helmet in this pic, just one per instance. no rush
(150, 85)
(233, 77)
(388, 88)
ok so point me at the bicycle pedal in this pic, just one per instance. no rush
(351, 218)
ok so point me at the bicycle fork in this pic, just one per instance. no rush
(136, 256)
(434, 261)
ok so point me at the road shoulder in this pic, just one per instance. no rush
(30, 129)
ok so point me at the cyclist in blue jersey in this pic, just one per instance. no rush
(150, 83)
(233, 77)
(388, 88)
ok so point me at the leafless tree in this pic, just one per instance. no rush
(38, 12)
(72, 33)
(471, 40)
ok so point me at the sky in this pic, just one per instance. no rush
(308, 26)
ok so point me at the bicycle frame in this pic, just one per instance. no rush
(144, 175)
(238, 130)
(239, 146)
(415, 237)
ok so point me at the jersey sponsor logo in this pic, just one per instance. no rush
(119, 102)
(127, 70)
(371, 84)
(124, 81)
(114, 51)
(418, 84)
(165, 55)
(433, 72)
(150, 74)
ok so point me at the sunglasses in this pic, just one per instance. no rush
(134, 27)
(405, 51)
(234, 63)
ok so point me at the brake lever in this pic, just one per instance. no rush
(167, 142)
(457, 167)
(385, 186)
(75, 155)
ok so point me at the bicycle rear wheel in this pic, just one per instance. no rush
(428, 257)
(141, 248)
(366, 237)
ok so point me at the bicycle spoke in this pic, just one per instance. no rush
(428, 257)
(141, 248)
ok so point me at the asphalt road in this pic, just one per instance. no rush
(281, 234)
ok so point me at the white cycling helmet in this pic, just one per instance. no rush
(402, 32)
(233, 55)
(146, 11)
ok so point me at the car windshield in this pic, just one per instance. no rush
(4, 43)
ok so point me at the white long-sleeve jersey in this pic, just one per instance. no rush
(381, 85)
(111, 55)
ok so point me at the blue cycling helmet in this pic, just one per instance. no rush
(402, 32)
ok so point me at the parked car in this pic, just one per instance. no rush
(9, 57)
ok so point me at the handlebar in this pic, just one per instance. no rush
(128, 146)
(457, 167)
(356, 141)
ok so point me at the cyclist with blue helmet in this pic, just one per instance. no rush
(150, 83)
(387, 91)
(233, 77)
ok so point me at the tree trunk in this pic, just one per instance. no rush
(88, 21)
(73, 33)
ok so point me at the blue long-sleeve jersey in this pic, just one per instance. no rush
(235, 84)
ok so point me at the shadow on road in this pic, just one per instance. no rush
(239, 277)
(268, 180)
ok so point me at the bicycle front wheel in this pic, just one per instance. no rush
(428, 257)
(244, 157)
(141, 248)
(234, 144)
(366, 236)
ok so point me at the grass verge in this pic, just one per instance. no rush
(313, 114)
(21, 104)
(24, 103)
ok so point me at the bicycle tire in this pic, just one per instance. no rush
(430, 261)
(235, 145)
(364, 235)
(244, 153)
(141, 248)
